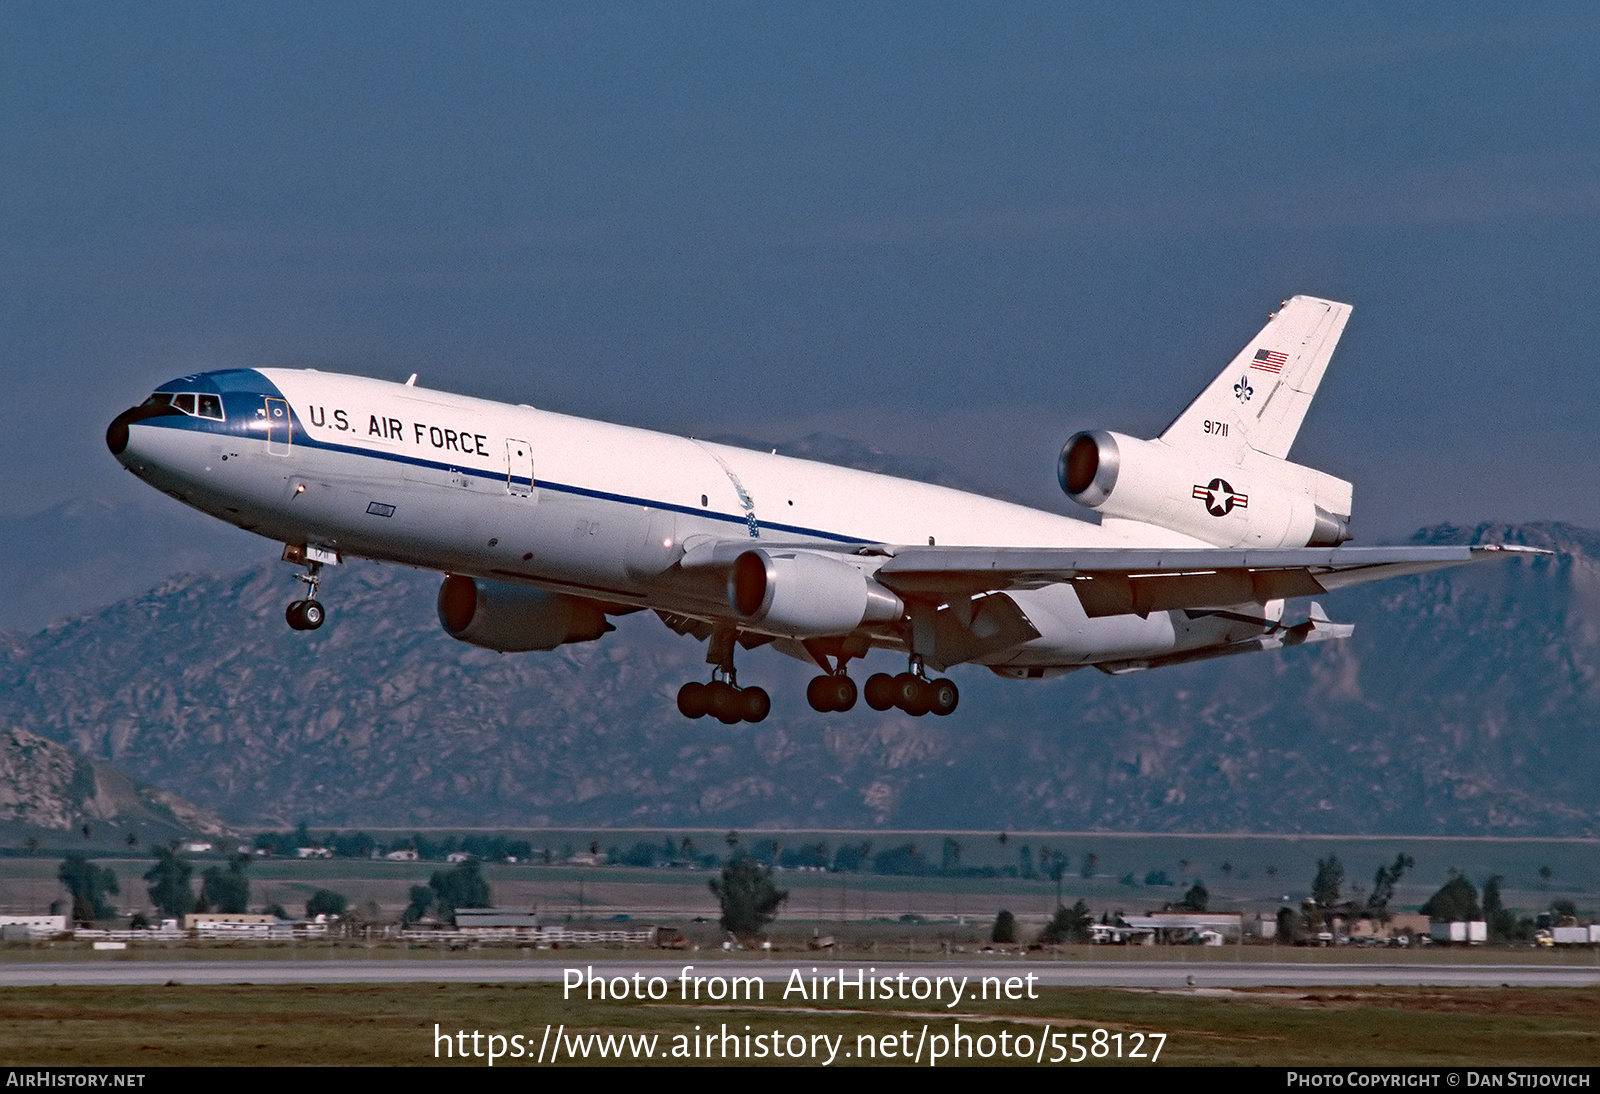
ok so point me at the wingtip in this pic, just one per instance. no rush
(1513, 548)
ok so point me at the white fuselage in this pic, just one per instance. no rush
(515, 494)
(547, 524)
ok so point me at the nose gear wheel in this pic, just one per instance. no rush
(307, 614)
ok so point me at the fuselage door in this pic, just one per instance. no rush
(519, 467)
(280, 434)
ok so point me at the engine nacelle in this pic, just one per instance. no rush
(515, 619)
(1245, 500)
(806, 595)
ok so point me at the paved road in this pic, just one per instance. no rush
(1119, 974)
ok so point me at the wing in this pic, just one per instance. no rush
(1136, 581)
(1129, 580)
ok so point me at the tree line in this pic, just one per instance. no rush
(1457, 900)
(225, 890)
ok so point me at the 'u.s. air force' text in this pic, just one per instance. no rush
(393, 429)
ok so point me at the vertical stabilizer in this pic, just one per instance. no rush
(1261, 398)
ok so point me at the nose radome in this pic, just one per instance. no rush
(117, 432)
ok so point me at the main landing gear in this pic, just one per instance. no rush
(723, 698)
(912, 692)
(308, 614)
(832, 692)
(908, 691)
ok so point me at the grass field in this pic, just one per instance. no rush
(131, 1027)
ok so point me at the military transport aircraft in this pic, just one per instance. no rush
(545, 525)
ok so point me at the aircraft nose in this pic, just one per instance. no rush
(117, 431)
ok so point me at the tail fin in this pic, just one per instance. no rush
(1262, 397)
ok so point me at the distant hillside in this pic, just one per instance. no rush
(46, 787)
(1465, 704)
(86, 553)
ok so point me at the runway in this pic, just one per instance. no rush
(1073, 974)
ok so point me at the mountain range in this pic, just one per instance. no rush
(1465, 703)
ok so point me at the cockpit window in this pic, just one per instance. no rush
(194, 404)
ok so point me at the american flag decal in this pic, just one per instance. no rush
(1270, 360)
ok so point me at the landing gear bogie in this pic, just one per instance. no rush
(831, 693)
(912, 694)
(879, 692)
(726, 703)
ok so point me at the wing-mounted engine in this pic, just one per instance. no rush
(801, 594)
(1241, 499)
(514, 619)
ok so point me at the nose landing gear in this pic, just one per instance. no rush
(307, 614)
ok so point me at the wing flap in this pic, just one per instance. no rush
(1141, 594)
(1118, 581)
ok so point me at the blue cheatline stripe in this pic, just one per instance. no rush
(200, 425)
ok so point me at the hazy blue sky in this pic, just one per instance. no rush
(951, 230)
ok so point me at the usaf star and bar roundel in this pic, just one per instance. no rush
(1219, 497)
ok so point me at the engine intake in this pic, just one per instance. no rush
(806, 595)
(1088, 467)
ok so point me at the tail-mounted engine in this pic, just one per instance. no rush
(514, 619)
(1244, 500)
